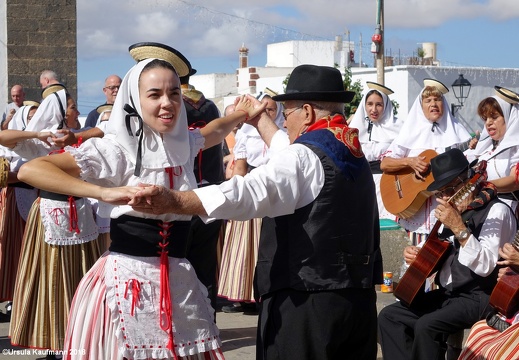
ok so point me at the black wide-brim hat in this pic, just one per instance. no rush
(315, 83)
(153, 50)
(448, 166)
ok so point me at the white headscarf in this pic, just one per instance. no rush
(19, 121)
(416, 132)
(172, 149)
(511, 138)
(250, 130)
(385, 130)
(51, 113)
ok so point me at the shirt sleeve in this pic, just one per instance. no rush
(290, 180)
(279, 141)
(499, 228)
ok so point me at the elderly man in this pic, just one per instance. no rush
(48, 77)
(319, 255)
(17, 97)
(475, 224)
(112, 84)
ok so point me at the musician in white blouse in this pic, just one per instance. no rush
(429, 126)
(477, 224)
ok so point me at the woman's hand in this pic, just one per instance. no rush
(509, 254)
(119, 195)
(410, 253)
(419, 165)
(249, 104)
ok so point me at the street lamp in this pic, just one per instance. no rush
(461, 89)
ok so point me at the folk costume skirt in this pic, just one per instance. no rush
(116, 312)
(46, 280)
(487, 343)
(12, 226)
(239, 257)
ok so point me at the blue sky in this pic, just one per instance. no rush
(479, 33)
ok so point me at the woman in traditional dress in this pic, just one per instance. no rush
(142, 299)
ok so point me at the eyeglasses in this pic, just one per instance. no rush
(112, 87)
(448, 191)
(285, 114)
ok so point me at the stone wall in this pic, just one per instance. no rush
(41, 34)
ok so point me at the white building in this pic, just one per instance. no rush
(405, 80)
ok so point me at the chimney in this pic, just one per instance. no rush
(244, 57)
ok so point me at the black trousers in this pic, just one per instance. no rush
(421, 333)
(339, 324)
(202, 253)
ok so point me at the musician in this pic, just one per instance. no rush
(378, 127)
(477, 224)
(489, 342)
(429, 125)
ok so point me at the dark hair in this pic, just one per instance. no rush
(158, 63)
(489, 107)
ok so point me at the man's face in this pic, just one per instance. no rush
(17, 95)
(111, 88)
(294, 119)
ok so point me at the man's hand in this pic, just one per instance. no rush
(153, 199)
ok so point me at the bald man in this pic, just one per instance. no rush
(17, 97)
(112, 84)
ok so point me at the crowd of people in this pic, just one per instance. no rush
(117, 236)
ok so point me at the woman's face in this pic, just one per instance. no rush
(31, 113)
(432, 107)
(271, 108)
(72, 114)
(374, 106)
(496, 126)
(161, 98)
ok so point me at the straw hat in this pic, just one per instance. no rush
(437, 84)
(153, 50)
(31, 103)
(52, 89)
(380, 88)
(104, 107)
(507, 95)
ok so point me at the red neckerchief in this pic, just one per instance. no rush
(338, 126)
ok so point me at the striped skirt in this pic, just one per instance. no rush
(46, 280)
(239, 257)
(12, 226)
(487, 343)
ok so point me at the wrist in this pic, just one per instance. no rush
(245, 112)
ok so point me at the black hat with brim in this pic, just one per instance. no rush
(315, 83)
(448, 166)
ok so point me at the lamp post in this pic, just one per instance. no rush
(461, 88)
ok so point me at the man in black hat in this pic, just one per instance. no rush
(477, 224)
(319, 257)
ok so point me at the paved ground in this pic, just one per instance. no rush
(237, 331)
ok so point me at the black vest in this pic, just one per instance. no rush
(209, 162)
(331, 243)
(465, 280)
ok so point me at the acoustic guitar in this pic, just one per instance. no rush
(434, 251)
(403, 194)
(504, 297)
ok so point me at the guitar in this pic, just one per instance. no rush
(403, 194)
(434, 251)
(504, 297)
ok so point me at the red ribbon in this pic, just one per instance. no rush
(166, 311)
(136, 289)
(55, 215)
(171, 172)
(74, 226)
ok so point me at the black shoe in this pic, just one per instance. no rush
(234, 308)
(250, 309)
